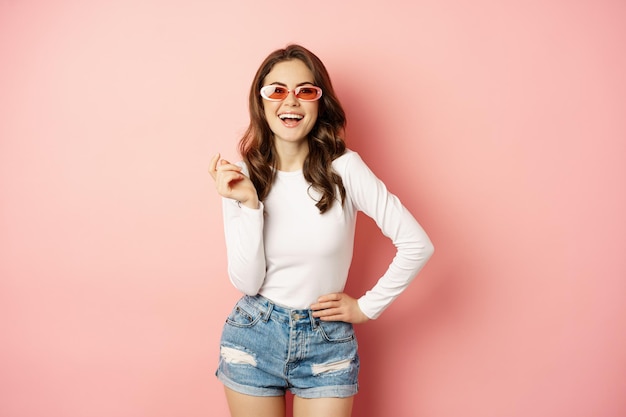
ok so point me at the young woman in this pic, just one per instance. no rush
(289, 217)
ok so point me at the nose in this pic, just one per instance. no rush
(291, 99)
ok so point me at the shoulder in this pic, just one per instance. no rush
(349, 163)
(344, 162)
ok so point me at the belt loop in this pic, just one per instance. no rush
(313, 320)
(268, 312)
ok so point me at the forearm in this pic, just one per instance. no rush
(243, 229)
(414, 249)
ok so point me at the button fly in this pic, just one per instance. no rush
(297, 316)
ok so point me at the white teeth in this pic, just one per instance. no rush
(291, 116)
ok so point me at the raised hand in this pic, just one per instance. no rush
(230, 182)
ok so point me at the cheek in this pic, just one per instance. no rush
(267, 110)
(314, 111)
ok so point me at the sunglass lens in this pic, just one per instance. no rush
(307, 93)
(275, 92)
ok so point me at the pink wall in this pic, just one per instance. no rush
(500, 124)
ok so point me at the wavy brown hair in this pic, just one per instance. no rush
(324, 140)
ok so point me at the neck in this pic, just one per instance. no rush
(291, 156)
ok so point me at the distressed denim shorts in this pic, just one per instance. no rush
(267, 349)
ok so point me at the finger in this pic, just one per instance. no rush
(329, 312)
(228, 178)
(213, 165)
(334, 318)
(324, 305)
(225, 180)
(329, 297)
(226, 166)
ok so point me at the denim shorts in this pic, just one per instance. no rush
(267, 349)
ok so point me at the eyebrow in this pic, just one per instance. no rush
(297, 85)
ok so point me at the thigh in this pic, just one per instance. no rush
(242, 405)
(327, 407)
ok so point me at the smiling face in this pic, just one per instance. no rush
(291, 120)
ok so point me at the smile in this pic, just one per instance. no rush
(290, 119)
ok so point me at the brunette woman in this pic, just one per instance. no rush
(290, 211)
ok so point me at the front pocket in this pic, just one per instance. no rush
(243, 316)
(336, 331)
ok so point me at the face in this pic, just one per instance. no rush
(290, 120)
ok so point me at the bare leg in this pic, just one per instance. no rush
(327, 407)
(242, 405)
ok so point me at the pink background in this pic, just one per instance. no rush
(500, 124)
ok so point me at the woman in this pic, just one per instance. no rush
(289, 216)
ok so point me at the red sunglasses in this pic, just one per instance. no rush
(275, 92)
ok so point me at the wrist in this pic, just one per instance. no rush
(252, 203)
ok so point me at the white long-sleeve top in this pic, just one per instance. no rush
(291, 254)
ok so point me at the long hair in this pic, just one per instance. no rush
(325, 141)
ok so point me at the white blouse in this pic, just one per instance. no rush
(291, 254)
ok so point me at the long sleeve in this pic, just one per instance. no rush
(413, 247)
(243, 229)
